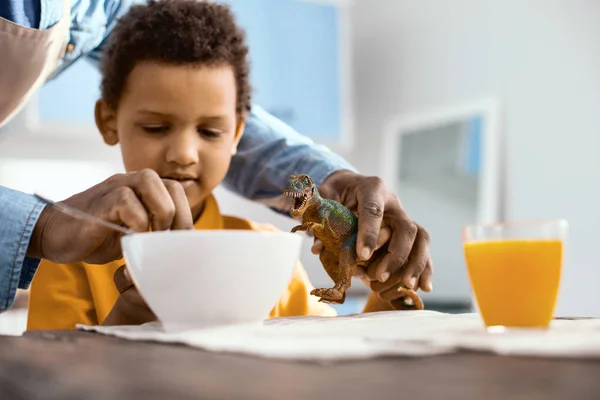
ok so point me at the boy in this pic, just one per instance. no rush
(175, 94)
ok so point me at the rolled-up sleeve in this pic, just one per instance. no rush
(269, 152)
(19, 213)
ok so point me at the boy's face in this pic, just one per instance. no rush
(179, 121)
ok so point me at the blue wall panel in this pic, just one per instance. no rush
(295, 55)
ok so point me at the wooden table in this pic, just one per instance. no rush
(78, 365)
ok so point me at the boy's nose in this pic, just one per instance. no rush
(183, 149)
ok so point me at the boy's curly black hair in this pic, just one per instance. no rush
(176, 32)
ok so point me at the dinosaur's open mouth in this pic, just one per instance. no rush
(299, 199)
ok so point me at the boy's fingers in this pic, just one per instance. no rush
(122, 279)
(360, 273)
(426, 277)
(317, 247)
(384, 235)
(371, 268)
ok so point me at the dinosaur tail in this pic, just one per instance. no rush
(401, 303)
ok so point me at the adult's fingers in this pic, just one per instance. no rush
(374, 261)
(371, 205)
(126, 203)
(404, 233)
(317, 247)
(155, 197)
(122, 206)
(417, 260)
(183, 214)
(397, 278)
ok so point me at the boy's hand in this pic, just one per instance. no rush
(139, 200)
(130, 308)
(404, 259)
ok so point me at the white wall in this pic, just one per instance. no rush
(542, 58)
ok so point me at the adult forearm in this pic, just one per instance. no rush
(269, 152)
(19, 213)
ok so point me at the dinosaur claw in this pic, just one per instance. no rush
(328, 296)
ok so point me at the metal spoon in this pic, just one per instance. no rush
(74, 212)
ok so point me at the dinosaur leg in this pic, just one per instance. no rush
(331, 265)
(401, 303)
(340, 271)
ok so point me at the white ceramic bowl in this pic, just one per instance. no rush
(197, 279)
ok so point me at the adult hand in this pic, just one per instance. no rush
(130, 308)
(139, 200)
(403, 255)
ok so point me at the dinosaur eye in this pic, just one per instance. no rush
(306, 181)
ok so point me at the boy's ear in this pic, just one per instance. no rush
(106, 121)
(239, 131)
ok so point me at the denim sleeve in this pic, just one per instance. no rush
(19, 213)
(111, 11)
(269, 152)
(22, 12)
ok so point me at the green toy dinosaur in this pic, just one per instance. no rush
(336, 227)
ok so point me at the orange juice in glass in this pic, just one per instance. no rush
(515, 270)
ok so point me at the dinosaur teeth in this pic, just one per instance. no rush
(296, 196)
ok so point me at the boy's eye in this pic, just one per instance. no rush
(155, 128)
(209, 132)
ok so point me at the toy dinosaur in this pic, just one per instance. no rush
(337, 228)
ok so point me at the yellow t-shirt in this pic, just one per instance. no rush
(63, 295)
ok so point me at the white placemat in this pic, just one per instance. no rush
(391, 333)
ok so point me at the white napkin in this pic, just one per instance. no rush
(391, 333)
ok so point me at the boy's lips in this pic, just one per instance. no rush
(185, 180)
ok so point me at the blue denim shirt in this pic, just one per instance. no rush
(268, 152)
